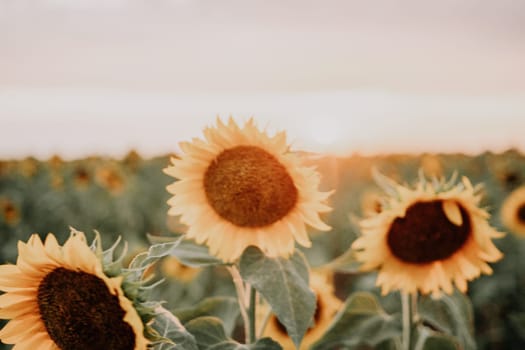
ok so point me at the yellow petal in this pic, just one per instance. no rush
(452, 211)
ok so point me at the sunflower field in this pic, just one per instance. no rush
(239, 242)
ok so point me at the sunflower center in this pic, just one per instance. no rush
(79, 312)
(426, 233)
(520, 213)
(249, 187)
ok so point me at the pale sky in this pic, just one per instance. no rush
(100, 76)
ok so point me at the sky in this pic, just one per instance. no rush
(341, 76)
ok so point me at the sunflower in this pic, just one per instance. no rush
(327, 306)
(513, 211)
(59, 298)
(242, 187)
(428, 238)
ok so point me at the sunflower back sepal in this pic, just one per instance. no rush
(137, 284)
(388, 185)
(167, 333)
(210, 335)
(451, 316)
(284, 284)
(361, 321)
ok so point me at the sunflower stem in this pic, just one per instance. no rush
(407, 319)
(241, 298)
(252, 315)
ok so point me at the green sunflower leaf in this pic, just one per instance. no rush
(284, 285)
(169, 333)
(265, 344)
(261, 344)
(517, 321)
(225, 308)
(210, 335)
(451, 315)
(208, 331)
(188, 252)
(426, 339)
(361, 321)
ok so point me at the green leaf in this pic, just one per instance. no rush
(210, 335)
(265, 344)
(225, 308)
(427, 339)
(361, 321)
(284, 285)
(517, 321)
(261, 344)
(451, 315)
(208, 331)
(188, 252)
(170, 334)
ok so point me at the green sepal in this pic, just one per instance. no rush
(137, 288)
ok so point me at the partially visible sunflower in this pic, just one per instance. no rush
(58, 297)
(171, 267)
(327, 306)
(81, 176)
(513, 211)
(9, 212)
(110, 177)
(428, 238)
(242, 187)
(431, 166)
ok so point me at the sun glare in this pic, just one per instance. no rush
(324, 131)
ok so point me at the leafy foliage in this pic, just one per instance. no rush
(452, 315)
(361, 321)
(284, 285)
(210, 335)
(48, 196)
(224, 308)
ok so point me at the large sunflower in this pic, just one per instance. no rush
(428, 238)
(242, 187)
(327, 306)
(59, 298)
(513, 211)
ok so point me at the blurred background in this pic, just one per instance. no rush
(96, 94)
